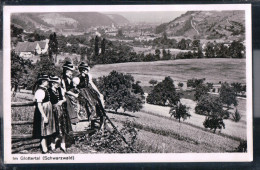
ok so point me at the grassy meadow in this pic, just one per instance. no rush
(214, 70)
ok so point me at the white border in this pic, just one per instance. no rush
(112, 158)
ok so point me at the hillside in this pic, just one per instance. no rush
(29, 21)
(157, 131)
(119, 19)
(89, 19)
(207, 24)
(72, 20)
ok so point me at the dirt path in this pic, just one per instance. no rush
(229, 22)
(194, 27)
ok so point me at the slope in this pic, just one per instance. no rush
(207, 24)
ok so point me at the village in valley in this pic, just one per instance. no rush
(196, 59)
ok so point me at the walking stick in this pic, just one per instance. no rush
(100, 105)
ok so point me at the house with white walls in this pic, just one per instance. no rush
(30, 49)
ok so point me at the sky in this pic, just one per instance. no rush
(150, 17)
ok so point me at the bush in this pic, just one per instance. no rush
(244, 88)
(164, 92)
(111, 142)
(210, 85)
(237, 87)
(214, 123)
(236, 116)
(195, 82)
(242, 146)
(180, 84)
(226, 114)
(153, 82)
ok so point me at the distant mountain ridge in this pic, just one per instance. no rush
(207, 24)
(69, 20)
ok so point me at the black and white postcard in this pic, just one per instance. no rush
(127, 83)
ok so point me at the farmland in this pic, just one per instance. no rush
(147, 50)
(214, 70)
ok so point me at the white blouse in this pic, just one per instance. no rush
(39, 95)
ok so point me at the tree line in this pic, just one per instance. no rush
(234, 49)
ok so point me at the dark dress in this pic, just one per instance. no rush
(41, 129)
(79, 107)
(71, 103)
(90, 97)
(62, 120)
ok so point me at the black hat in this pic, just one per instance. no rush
(83, 66)
(55, 79)
(43, 77)
(68, 65)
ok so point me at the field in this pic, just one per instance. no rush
(214, 70)
(147, 50)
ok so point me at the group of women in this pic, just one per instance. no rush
(62, 103)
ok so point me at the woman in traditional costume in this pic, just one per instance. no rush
(79, 106)
(62, 120)
(67, 85)
(90, 95)
(44, 121)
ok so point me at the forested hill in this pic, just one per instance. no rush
(70, 20)
(119, 19)
(88, 19)
(207, 24)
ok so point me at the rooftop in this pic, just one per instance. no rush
(25, 46)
